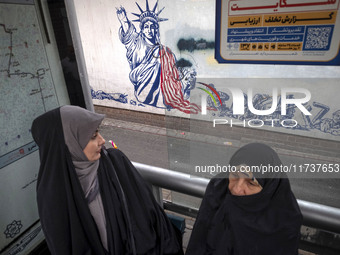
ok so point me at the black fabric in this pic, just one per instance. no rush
(258, 156)
(136, 224)
(266, 223)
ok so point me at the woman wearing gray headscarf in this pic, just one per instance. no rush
(92, 200)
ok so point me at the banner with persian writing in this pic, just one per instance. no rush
(278, 32)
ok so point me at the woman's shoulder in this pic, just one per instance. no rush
(117, 156)
(115, 153)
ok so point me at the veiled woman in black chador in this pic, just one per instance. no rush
(92, 200)
(248, 213)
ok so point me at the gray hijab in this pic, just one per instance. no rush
(79, 125)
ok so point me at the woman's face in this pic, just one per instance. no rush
(243, 184)
(94, 146)
(149, 30)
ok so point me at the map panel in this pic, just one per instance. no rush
(26, 85)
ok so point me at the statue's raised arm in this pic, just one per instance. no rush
(150, 62)
(124, 21)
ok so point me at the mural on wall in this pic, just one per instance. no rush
(101, 95)
(223, 108)
(154, 73)
(151, 75)
(331, 126)
(159, 80)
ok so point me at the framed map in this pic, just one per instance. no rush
(27, 87)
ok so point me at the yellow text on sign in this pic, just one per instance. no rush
(307, 18)
(245, 21)
(296, 46)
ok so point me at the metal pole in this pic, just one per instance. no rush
(78, 49)
(320, 216)
(168, 179)
(314, 215)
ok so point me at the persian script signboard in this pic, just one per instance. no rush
(278, 32)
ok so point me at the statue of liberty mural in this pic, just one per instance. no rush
(153, 66)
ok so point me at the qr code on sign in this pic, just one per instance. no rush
(318, 37)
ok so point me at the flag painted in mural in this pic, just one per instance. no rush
(153, 73)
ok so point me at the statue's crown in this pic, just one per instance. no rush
(148, 13)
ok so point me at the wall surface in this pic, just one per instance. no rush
(167, 74)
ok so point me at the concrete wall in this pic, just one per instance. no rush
(189, 34)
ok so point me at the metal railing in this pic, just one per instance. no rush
(314, 215)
